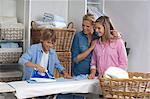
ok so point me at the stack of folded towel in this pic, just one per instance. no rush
(9, 45)
(51, 21)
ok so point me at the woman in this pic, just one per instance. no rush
(82, 46)
(108, 51)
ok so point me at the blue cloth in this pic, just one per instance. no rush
(9, 45)
(34, 55)
(79, 45)
(80, 77)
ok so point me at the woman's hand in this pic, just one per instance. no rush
(93, 44)
(93, 72)
(91, 76)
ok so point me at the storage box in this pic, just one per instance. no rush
(10, 55)
(11, 31)
(7, 75)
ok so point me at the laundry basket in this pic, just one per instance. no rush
(133, 88)
(7, 75)
(64, 37)
(65, 59)
(10, 55)
(11, 31)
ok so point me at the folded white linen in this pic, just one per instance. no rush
(116, 72)
(42, 80)
(8, 19)
(53, 24)
(49, 17)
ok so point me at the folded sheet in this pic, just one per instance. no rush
(41, 80)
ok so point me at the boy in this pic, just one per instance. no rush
(41, 59)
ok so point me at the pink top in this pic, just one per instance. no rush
(113, 54)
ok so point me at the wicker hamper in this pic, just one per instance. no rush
(65, 59)
(11, 31)
(132, 88)
(64, 38)
(10, 55)
(7, 75)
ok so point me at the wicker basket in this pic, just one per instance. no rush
(7, 75)
(11, 31)
(10, 55)
(127, 88)
(64, 38)
(65, 59)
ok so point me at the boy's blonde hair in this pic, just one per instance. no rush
(48, 34)
(89, 17)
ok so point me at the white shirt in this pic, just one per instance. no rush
(44, 59)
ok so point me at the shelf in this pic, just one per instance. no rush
(9, 64)
(11, 73)
(93, 3)
(11, 40)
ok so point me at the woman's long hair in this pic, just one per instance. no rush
(105, 21)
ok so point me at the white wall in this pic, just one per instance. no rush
(7, 7)
(132, 18)
(58, 7)
(77, 9)
(37, 8)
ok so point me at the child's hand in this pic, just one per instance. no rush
(66, 75)
(40, 68)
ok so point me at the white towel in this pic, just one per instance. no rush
(115, 72)
(49, 17)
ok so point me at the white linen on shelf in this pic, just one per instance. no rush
(49, 17)
(54, 24)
